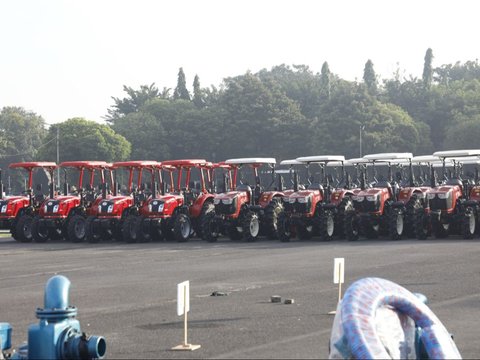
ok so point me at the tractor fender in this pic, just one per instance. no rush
(196, 209)
(358, 310)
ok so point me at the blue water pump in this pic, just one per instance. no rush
(58, 334)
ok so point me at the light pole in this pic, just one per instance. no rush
(362, 127)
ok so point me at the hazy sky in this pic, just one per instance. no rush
(63, 59)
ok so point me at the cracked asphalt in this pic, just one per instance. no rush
(127, 292)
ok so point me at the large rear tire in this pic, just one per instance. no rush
(146, 232)
(207, 208)
(370, 228)
(76, 228)
(40, 233)
(23, 229)
(182, 227)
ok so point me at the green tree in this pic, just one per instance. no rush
(428, 69)
(181, 91)
(81, 139)
(198, 97)
(325, 80)
(370, 78)
(22, 134)
(134, 101)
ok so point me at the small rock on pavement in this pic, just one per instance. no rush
(276, 299)
(219, 293)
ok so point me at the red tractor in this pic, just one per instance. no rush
(114, 215)
(405, 217)
(454, 204)
(243, 212)
(319, 207)
(17, 212)
(373, 205)
(178, 213)
(64, 216)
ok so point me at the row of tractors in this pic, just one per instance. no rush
(325, 196)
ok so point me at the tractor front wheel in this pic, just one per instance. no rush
(182, 228)
(40, 233)
(250, 226)
(468, 224)
(272, 212)
(210, 228)
(130, 229)
(76, 228)
(92, 234)
(326, 225)
(396, 223)
(284, 228)
(352, 229)
(23, 228)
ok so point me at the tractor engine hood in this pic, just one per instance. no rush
(164, 204)
(226, 196)
(369, 194)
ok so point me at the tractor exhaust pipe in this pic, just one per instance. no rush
(115, 184)
(476, 176)
(281, 183)
(104, 190)
(225, 183)
(363, 179)
(154, 189)
(411, 175)
(433, 177)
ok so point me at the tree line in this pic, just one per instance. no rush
(284, 112)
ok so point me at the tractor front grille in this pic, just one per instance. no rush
(366, 206)
(441, 204)
(224, 209)
(104, 206)
(51, 205)
(298, 208)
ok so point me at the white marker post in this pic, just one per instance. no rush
(183, 307)
(338, 278)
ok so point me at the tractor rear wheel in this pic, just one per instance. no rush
(76, 228)
(327, 225)
(352, 229)
(92, 235)
(210, 228)
(250, 226)
(146, 232)
(182, 227)
(396, 222)
(23, 229)
(233, 232)
(40, 233)
(284, 228)
(304, 230)
(468, 223)
(272, 212)
(130, 229)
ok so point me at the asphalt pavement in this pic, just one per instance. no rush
(127, 292)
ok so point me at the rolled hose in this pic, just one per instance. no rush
(358, 309)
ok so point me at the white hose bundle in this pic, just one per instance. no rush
(357, 316)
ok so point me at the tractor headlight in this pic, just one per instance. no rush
(55, 208)
(431, 196)
(110, 208)
(216, 201)
(45, 208)
(291, 200)
(4, 208)
(303, 200)
(160, 207)
(358, 198)
(149, 207)
(371, 198)
(442, 195)
(227, 201)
